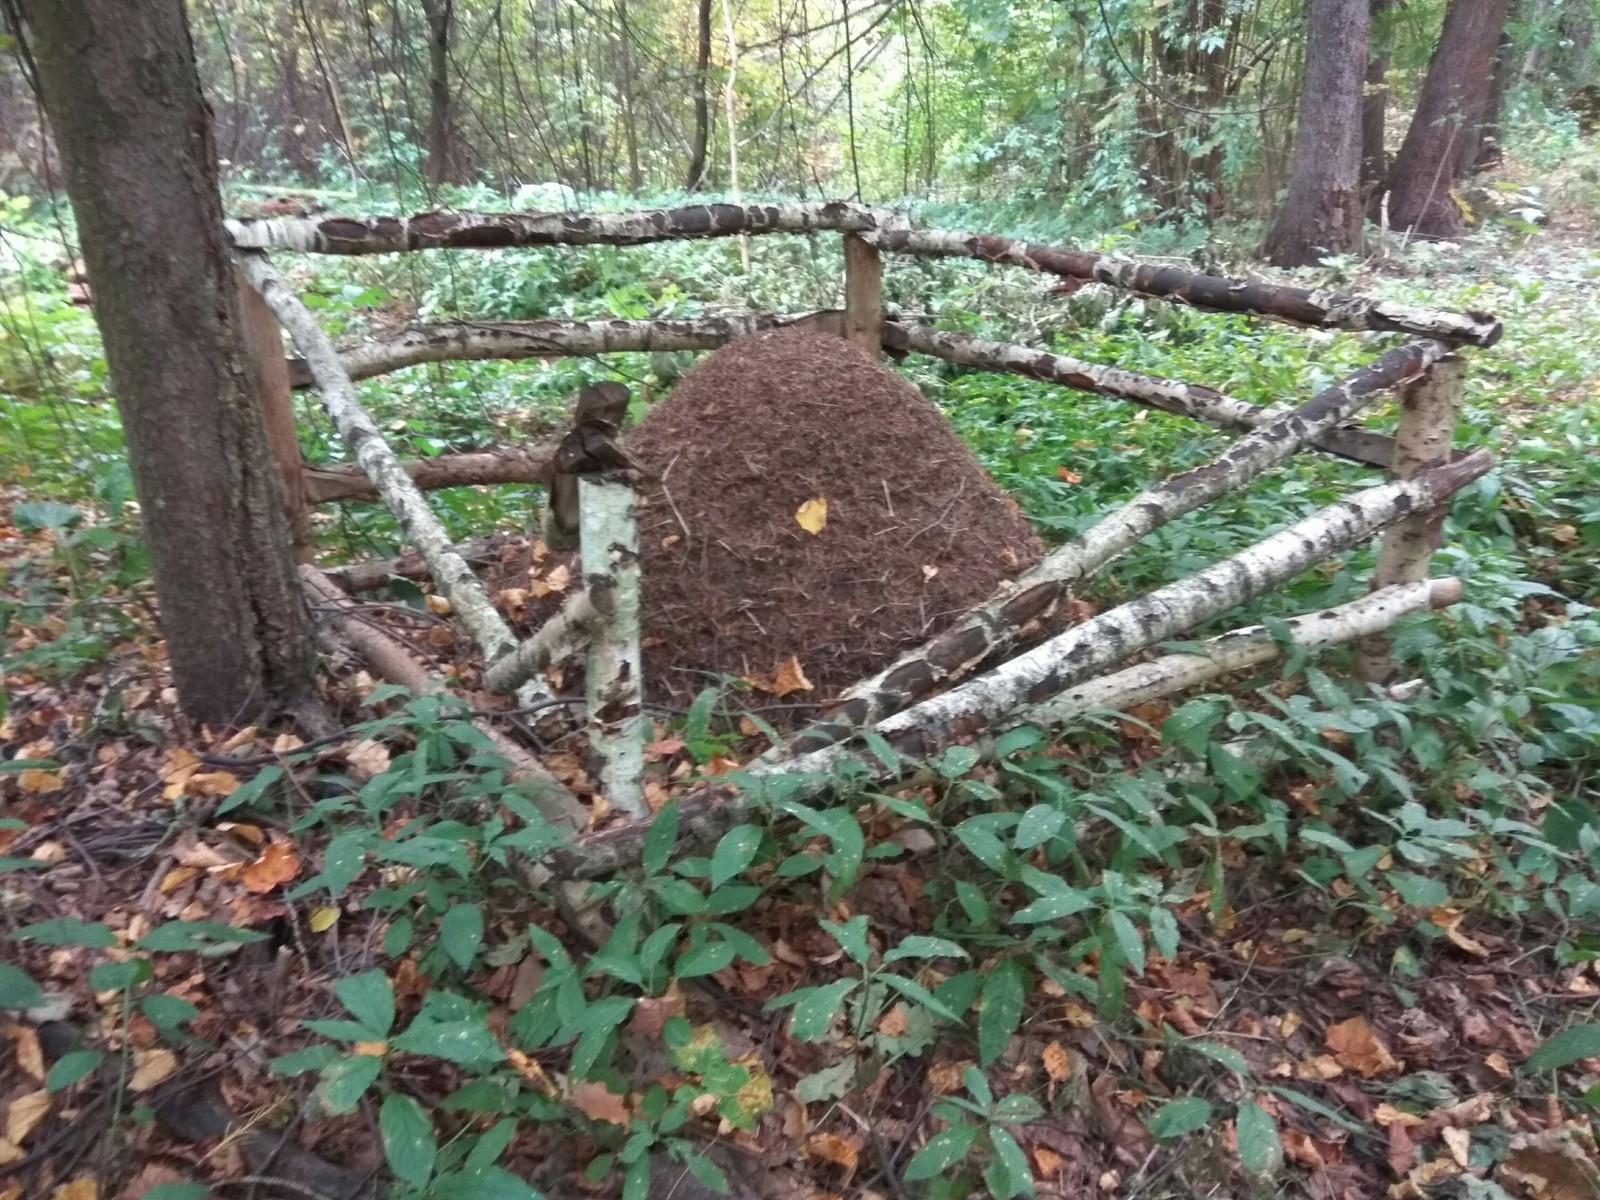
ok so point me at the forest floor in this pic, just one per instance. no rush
(238, 962)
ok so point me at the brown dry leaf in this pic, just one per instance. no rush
(945, 1077)
(370, 1049)
(1309, 1151)
(597, 1102)
(1046, 1161)
(1402, 1150)
(1564, 534)
(85, 1187)
(1387, 1115)
(1356, 1047)
(1449, 920)
(749, 728)
(213, 783)
(651, 1013)
(151, 1175)
(664, 748)
(1459, 1143)
(279, 863)
(1077, 1016)
(366, 759)
(150, 1067)
(179, 767)
(1057, 1062)
(1319, 1066)
(1551, 1165)
(1498, 1063)
(1289, 1022)
(40, 782)
(10, 1152)
(893, 1023)
(790, 678)
(30, 1056)
(812, 516)
(175, 879)
(23, 1113)
(720, 764)
(437, 605)
(830, 1147)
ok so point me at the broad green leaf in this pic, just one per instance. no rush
(1008, 1173)
(734, 853)
(408, 1141)
(178, 1191)
(1019, 1106)
(1567, 1047)
(1226, 1055)
(956, 761)
(199, 936)
(461, 933)
(1051, 908)
(369, 998)
(704, 959)
(312, 1058)
(117, 976)
(70, 1068)
(343, 859)
(814, 1008)
(344, 1080)
(68, 931)
(830, 1083)
(663, 836)
(486, 1183)
(1178, 1117)
(943, 1151)
(397, 938)
(1191, 725)
(918, 946)
(1038, 825)
(1127, 935)
(460, 1042)
(1004, 989)
(852, 935)
(1164, 931)
(707, 1172)
(1260, 1149)
(166, 1012)
(1419, 891)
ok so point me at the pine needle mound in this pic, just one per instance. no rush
(915, 532)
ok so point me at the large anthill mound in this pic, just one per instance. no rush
(915, 531)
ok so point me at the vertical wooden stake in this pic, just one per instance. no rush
(264, 345)
(863, 294)
(608, 552)
(1428, 411)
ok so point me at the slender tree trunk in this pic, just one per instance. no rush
(1483, 150)
(702, 106)
(1375, 103)
(444, 151)
(630, 123)
(123, 96)
(1322, 214)
(1448, 110)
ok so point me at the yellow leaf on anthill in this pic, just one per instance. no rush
(1356, 1048)
(150, 1067)
(279, 863)
(790, 678)
(599, 1103)
(812, 515)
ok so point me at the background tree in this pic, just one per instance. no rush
(444, 158)
(702, 106)
(1449, 110)
(124, 102)
(1375, 100)
(1322, 214)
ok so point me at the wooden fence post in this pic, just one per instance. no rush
(1428, 411)
(608, 551)
(264, 345)
(863, 294)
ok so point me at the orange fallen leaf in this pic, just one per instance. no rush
(40, 782)
(370, 1049)
(597, 1102)
(437, 604)
(212, 783)
(830, 1147)
(720, 764)
(1449, 920)
(945, 1078)
(23, 1113)
(1057, 1062)
(1046, 1160)
(790, 678)
(279, 863)
(893, 1022)
(1067, 476)
(1358, 1049)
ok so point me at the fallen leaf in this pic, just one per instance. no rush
(1057, 1062)
(1449, 920)
(893, 1023)
(40, 782)
(790, 678)
(830, 1147)
(1498, 1063)
(150, 1067)
(945, 1078)
(437, 604)
(279, 863)
(1357, 1048)
(597, 1102)
(1067, 476)
(370, 1049)
(720, 764)
(212, 783)
(651, 1013)
(84, 1187)
(1564, 533)
(23, 1113)
(367, 759)
(1402, 1150)
(1550, 1165)
(812, 516)
(322, 919)
(1387, 1115)
(749, 728)
(10, 1152)
(30, 1057)
(175, 879)
(1077, 1016)
(1046, 1160)
(1459, 1143)
(1309, 1151)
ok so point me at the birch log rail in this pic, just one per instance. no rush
(885, 229)
(986, 633)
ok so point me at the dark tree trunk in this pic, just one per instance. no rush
(1322, 214)
(444, 150)
(123, 96)
(702, 109)
(1375, 103)
(1483, 150)
(1448, 111)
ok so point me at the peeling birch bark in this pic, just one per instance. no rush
(1070, 657)
(710, 812)
(609, 556)
(1423, 440)
(389, 659)
(449, 341)
(1193, 400)
(528, 464)
(488, 231)
(1298, 306)
(450, 572)
(1024, 605)
(562, 636)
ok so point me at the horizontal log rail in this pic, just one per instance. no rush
(530, 464)
(883, 228)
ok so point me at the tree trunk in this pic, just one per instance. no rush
(1322, 214)
(1448, 110)
(123, 96)
(1375, 103)
(1483, 150)
(702, 108)
(444, 155)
